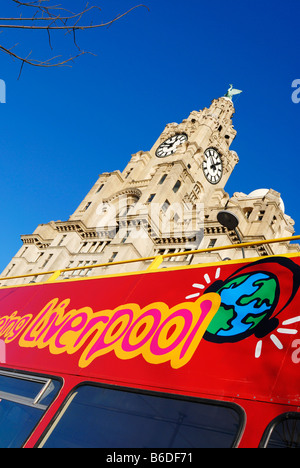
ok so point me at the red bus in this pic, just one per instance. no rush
(198, 356)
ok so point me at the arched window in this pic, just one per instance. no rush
(125, 203)
(248, 211)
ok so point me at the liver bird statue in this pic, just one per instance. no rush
(232, 92)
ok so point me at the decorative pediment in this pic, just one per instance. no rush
(134, 192)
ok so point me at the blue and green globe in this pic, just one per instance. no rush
(246, 301)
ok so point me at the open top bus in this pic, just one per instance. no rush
(197, 356)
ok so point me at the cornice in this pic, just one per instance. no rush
(36, 239)
(77, 226)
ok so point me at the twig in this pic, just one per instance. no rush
(57, 19)
(82, 28)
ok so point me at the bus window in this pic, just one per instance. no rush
(23, 401)
(95, 417)
(283, 432)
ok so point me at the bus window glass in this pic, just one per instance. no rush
(104, 417)
(284, 432)
(23, 401)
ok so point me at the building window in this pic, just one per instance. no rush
(261, 215)
(68, 273)
(100, 188)
(162, 179)
(177, 186)
(25, 248)
(170, 251)
(61, 240)
(89, 271)
(83, 272)
(150, 198)
(125, 238)
(93, 247)
(78, 272)
(176, 217)
(82, 248)
(128, 173)
(114, 254)
(124, 210)
(165, 206)
(47, 261)
(87, 205)
(247, 212)
(101, 246)
(39, 256)
(212, 243)
(10, 269)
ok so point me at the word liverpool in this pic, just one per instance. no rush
(156, 332)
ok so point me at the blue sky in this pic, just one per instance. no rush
(62, 127)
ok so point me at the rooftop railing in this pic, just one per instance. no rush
(156, 260)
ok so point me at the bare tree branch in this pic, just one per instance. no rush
(55, 18)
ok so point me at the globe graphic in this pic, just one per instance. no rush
(246, 300)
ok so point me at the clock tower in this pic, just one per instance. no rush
(199, 143)
(166, 200)
(203, 141)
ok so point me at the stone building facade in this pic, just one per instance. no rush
(166, 200)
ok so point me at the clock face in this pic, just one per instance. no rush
(169, 146)
(212, 166)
